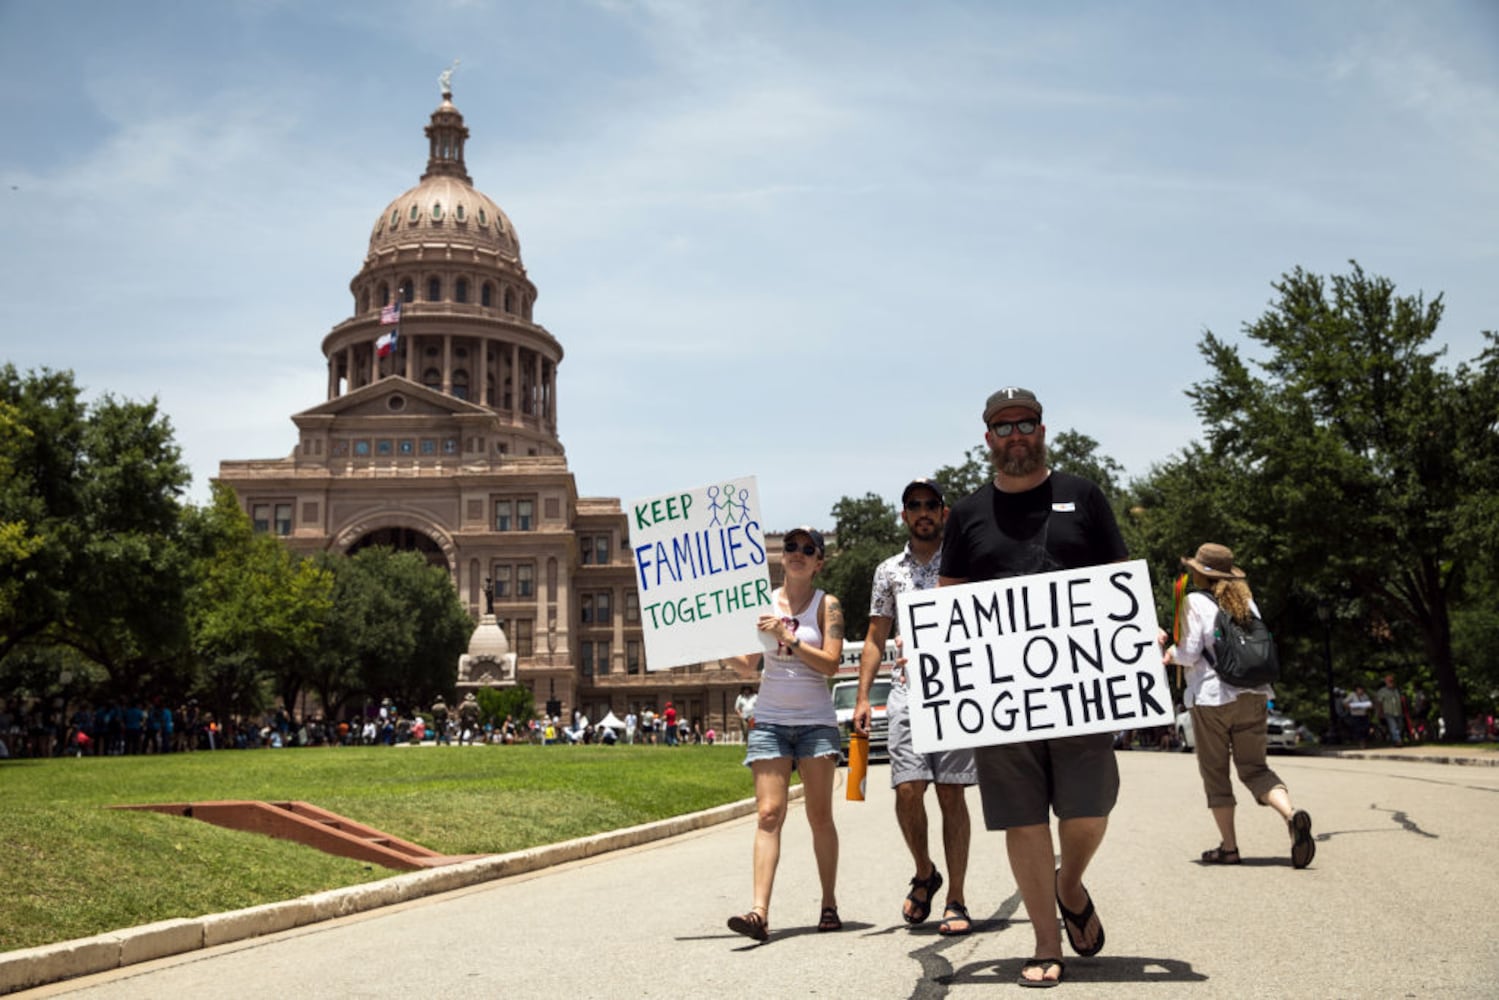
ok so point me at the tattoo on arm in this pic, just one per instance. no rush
(835, 619)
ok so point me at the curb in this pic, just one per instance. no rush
(30, 967)
(1415, 758)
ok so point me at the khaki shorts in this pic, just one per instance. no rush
(1022, 784)
(949, 767)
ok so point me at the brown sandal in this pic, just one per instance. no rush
(828, 920)
(751, 925)
(1221, 855)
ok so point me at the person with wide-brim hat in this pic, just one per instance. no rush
(1228, 721)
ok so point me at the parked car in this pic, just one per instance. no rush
(845, 693)
(1281, 731)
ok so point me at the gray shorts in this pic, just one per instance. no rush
(949, 767)
(1021, 784)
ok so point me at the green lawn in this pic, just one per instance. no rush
(74, 868)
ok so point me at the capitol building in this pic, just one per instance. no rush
(438, 434)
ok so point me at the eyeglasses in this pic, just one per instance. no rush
(806, 548)
(918, 505)
(1008, 427)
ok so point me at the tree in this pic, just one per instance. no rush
(868, 530)
(1077, 453)
(92, 513)
(1369, 468)
(957, 481)
(396, 624)
(256, 609)
(517, 702)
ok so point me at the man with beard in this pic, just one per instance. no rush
(923, 513)
(1030, 519)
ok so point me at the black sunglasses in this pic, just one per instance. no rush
(806, 548)
(1008, 427)
(916, 505)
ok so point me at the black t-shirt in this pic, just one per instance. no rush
(1064, 523)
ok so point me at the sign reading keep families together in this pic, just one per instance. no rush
(1033, 657)
(702, 573)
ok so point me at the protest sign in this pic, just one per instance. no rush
(1033, 657)
(702, 572)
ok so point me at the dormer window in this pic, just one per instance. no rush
(458, 213)
(437, 211)
(416, 212)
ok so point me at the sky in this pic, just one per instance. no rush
(797, 240)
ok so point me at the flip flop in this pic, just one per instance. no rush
(1077, 925)
(955, 913)
(1043, 964)
(1303, 847)
(922, 907)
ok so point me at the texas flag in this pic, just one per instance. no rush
(386, 344)
(391, 314)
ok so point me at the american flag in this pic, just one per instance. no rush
(386, 344)
(392, 313)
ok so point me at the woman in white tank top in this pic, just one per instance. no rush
(794, 724)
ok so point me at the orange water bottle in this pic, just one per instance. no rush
(858, 765)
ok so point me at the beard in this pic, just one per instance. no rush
(1019, 458)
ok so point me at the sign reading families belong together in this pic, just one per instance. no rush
(702, 571)
(1033, 657)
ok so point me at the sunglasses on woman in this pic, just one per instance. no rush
(805, 548)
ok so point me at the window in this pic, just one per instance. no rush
(408, 292)
(632, 607)
(596, 607)
(502, 514)
(523, 638)
(632, 656)
(260, 516)
(594, 549)
(432, 379)
(525, 580)
(603, 652)
(500, 576)
(283, 519)
(460, 384)
(486, 291)
(460, 290)
(524, 515)
(586, 651)
(434, 289)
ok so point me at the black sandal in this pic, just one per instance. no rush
(751, 925)
(955, 913)
(828, 920)
(922, 908)
(1222, 856)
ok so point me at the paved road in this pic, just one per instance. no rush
(1397, 904)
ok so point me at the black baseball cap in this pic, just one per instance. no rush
(925, 484)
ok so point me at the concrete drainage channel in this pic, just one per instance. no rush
(29, 967)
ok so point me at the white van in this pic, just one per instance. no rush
(846, 692)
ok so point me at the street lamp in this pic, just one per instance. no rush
(1324, 615)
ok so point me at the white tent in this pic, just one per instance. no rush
(610, 721)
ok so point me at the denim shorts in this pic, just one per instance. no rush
(769, 741)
